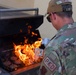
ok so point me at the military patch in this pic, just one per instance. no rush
(62, 1)
(58, 2)
(49, 63)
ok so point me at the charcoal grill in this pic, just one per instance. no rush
(14, 26)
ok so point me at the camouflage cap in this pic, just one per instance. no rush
(56, 5)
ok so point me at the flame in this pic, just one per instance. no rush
(34, 34)
(26, 52)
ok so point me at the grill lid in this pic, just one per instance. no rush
(14, 21)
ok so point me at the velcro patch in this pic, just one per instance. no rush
(50, 64)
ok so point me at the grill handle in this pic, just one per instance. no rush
(16, 10)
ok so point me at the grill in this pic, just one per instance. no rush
(15, 27)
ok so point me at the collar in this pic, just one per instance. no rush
(68, 26)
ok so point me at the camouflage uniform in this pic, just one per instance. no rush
(60, 53)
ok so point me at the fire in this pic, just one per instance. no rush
(26, 52)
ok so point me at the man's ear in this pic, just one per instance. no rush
(53, 16)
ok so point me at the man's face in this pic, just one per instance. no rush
(53, 18)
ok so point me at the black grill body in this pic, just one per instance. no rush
(15, 27)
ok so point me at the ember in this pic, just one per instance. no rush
(26, 52)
